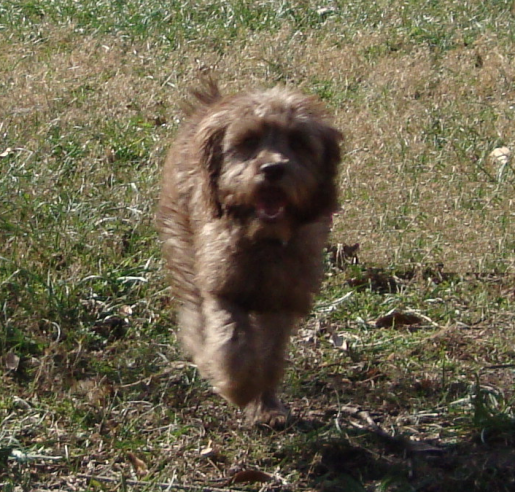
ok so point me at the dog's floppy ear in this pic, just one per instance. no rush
(328, 193)
(332, 139)
(210, 144)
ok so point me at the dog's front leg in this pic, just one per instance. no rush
(243, 356)
(273, 331)
(230, 355)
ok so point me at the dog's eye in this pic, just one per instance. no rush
(249, 143)
(300, 143)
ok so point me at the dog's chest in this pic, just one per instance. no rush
(263, 275)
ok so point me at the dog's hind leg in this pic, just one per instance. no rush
(191, 328)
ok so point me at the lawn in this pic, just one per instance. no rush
(402, 378)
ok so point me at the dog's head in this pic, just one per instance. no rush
(271, 158)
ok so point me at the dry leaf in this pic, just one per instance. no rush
(251, 476)
(8, 151)
(12, 361)
(323, 11)
(501, 155)
(396, 318)
(110, 155)
(126, 311)
(20, 403)
(501, 159)
(423, 447)
(94, 389)
(341, 255)
(209, 451)
(206, 452)
(339, 342)
(139, 465)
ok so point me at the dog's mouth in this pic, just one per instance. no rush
(270, 204)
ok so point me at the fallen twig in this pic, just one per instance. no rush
(397, 441)
(499, 366)
(364, 416)
(163, 486)
(18, 455)
(176, 367)
(330, 307)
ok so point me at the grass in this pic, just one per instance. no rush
(92, 376)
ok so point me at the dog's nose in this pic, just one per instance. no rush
(273, 171)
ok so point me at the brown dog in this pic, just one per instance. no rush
(247, 195)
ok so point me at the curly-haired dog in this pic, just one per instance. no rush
(245, 209)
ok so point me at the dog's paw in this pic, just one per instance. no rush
(267, 410)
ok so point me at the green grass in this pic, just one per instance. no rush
(89, 102)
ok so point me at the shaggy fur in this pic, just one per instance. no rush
(247, 196)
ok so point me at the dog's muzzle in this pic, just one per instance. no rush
(273, 171)
(270, 204)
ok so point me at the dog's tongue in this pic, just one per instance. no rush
(270, 205)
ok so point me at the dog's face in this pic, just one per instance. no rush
(271, 158)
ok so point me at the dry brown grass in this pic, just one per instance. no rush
(405, 196)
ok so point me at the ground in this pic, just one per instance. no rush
(402, 377)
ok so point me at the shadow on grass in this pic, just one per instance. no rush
(366, 461)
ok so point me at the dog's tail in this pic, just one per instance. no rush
(206, 94)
